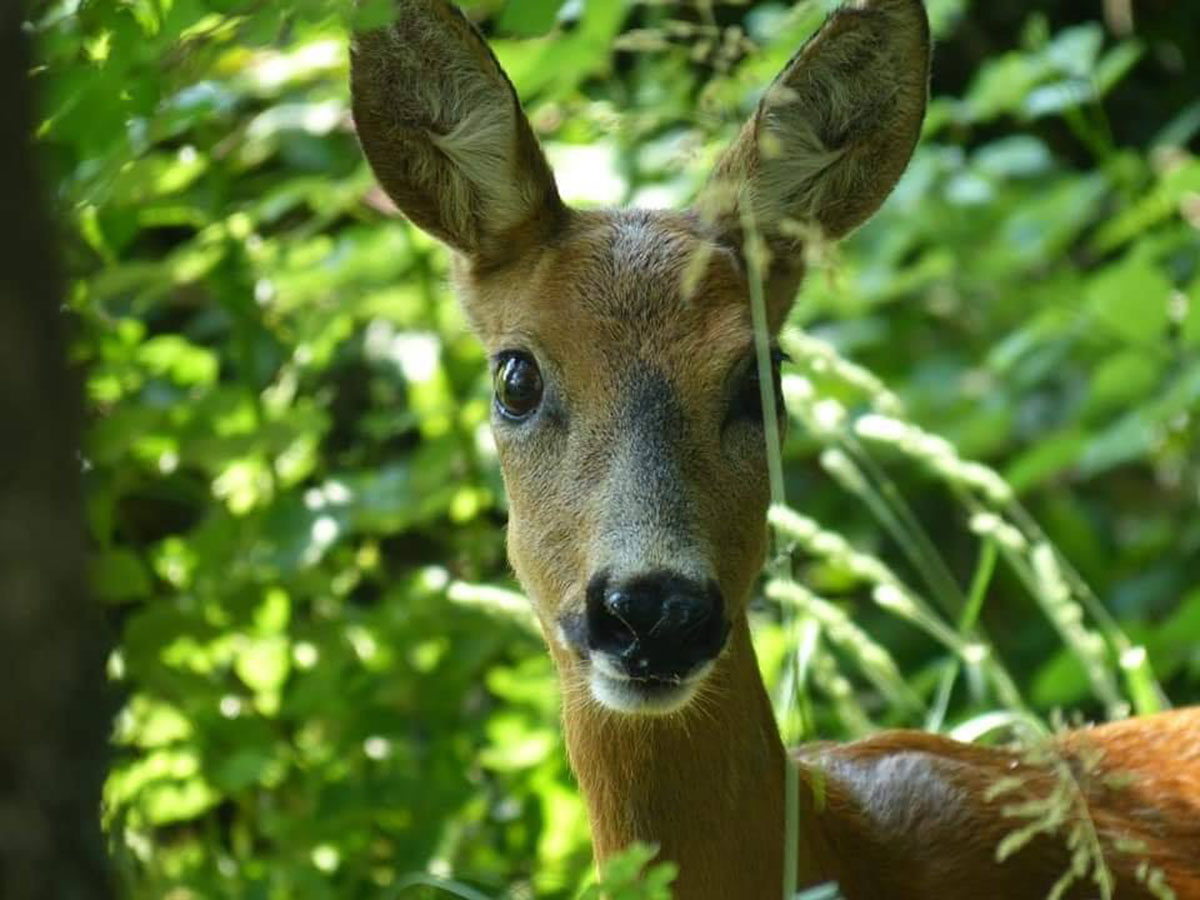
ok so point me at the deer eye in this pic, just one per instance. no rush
(518, 385)
(746, 402)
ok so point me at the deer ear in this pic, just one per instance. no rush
(443, 130)
(833, 132)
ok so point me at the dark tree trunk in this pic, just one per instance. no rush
(53, 715)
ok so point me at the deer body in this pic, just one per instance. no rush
(629, 423)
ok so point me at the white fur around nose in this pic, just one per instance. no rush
(616, 691)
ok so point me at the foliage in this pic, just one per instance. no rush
(631, 876)
(294, 504)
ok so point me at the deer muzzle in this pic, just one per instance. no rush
(650, 640)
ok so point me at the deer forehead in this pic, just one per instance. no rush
(619, 292)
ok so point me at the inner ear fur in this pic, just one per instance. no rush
(443, 130)
(831, 136)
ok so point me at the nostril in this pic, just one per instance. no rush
(637, 610)
(608, 622)
(612, 618)
(617, 605)
(683, 613)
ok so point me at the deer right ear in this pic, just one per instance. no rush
(444, 132)
(831, 136)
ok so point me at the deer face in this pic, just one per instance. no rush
(627, 415)
(627, 408)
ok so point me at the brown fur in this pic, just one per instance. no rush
(610, 306)
(705, 785)
(908, 814)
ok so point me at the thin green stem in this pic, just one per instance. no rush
(755, 255)
(941, 698)
(453, 888)
(985, 568)
(897, 517)
(919, 547)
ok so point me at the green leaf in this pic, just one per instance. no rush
(1018, 156)
(174, 356)
(630, 875)
(515, 745)
(1131, 437)
(246, 767)
(1130, 299)
(367, 14)
(528, 18)
(1181, 129)
(1001, 86)
(263, 663)
(1151, 208)
(1062, 682)
(556, 67)
(1055, 98)
(119, 575)
(1122, 380)
(1074, 51)
(1116, 64)
(1050, 455)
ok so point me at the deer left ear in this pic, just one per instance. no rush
(442, 128)
(831, 136)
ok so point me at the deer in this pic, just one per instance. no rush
(629, 422)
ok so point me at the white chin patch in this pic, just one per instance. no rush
(624, 695)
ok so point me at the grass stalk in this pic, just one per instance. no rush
(756, 257)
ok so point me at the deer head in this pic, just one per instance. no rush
(627, 407)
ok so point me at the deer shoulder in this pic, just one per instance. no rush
(908, 814)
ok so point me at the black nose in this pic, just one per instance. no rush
(656, 626)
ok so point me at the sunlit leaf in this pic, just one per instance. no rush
(529, 17)
(1130, 299)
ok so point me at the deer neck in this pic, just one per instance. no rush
(706, 785)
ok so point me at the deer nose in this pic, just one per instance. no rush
(659, 626)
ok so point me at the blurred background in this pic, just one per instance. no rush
(328, 685)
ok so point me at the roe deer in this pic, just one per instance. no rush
(630, 430)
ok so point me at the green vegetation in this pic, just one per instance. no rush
(330, 687)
